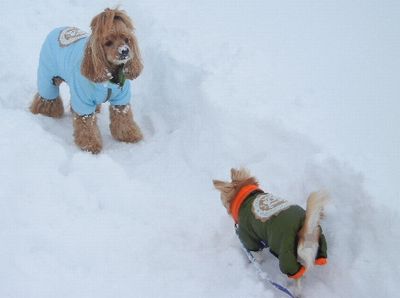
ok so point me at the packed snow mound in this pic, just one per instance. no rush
(143, 220)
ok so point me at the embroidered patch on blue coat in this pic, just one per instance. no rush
(266, 205)
(70, 35)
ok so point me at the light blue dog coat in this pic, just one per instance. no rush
(61, 56)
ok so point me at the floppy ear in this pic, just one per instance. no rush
(94, 65)
(222, 186)
(133, 67)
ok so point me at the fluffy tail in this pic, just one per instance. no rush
(309, 234)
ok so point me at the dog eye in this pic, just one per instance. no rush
(126, 40)
(108, 43)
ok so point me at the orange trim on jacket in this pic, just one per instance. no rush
(240, 198)
(321, 261)
(299, 273)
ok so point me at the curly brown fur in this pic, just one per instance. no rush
(112, 46)
(51, 108)
(229, 190)
(86, 133)
(122, 126)
(111, 30)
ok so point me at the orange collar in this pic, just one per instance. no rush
(240, 198)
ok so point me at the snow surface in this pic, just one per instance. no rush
(303, 93)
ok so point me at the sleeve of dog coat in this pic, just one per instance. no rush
(288, 260)
(123, 97)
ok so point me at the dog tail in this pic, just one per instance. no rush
(309, 234)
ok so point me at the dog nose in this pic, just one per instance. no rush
(123, 51)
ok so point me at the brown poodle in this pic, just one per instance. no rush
(95, 67)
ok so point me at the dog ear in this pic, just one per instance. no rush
(239, 175)
(233, 173)
(94, 65)
(222, 186)
(134, 66)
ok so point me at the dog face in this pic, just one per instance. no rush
(111, 44)
(240, 178)
(117, 44)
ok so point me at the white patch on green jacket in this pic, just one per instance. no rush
(266, 205)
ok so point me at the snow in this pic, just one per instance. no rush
(304, 94)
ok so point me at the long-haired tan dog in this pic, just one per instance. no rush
(95, 67)
(291, 233)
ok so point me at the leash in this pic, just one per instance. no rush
(261, 273)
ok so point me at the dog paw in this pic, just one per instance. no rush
(128, 133)
(51, 108)
(92, 146)
(122, 126)
(87, 134)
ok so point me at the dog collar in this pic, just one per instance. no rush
(240, 198)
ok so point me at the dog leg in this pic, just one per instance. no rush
(295, 287)
(298, 288)
(51, 108)
(122, 126)
(86, 133)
